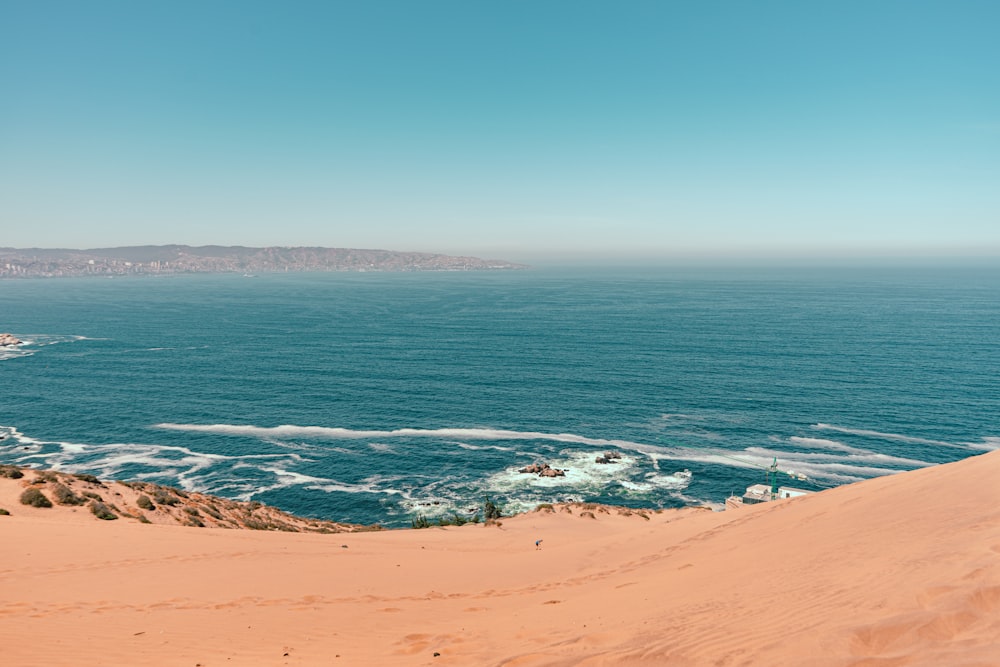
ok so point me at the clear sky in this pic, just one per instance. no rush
(511, 128)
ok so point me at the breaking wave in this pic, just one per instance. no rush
(888, 436)
(392, 470)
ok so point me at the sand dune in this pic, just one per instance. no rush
(902, 570)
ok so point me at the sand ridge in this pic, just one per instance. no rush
(901, 570)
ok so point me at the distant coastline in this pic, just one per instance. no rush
(179, 259)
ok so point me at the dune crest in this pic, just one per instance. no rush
(901, 570)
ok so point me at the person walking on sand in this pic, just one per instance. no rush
(538, 544)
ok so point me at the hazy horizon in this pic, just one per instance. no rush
(791, 259)
(551, 131)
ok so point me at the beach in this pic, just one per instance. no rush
(897, 570)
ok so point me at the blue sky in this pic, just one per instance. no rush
(511, 129)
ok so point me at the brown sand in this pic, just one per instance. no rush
(903, 570)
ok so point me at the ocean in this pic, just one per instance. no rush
(378, 397)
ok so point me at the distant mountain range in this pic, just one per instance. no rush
(168, 259)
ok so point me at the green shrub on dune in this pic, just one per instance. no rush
(35, 498)
(102, 511)
(65, 496)
(11, 472)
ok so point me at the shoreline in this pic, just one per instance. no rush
(145, 502)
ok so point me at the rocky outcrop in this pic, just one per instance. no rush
(8, 340)
(151, 503)
(608, 457)
(543, 470)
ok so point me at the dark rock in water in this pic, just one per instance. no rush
(8, 340)
(543, 470)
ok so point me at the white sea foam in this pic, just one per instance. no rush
(31, 342)
(834, 470)
(855, 456)
(640, 471)
(988, 443)
(673, 481)
(821, 465)
(887, 436)
(640, 487)
(179, 465)
(476, 448)
(821, 443)
(830, 469)
(584, 474)
(335, 433)
(667, 416)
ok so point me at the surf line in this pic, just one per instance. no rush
(886, 436)
(334, 433)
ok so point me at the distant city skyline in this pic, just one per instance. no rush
(515, 130)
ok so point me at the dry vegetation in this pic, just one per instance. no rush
(152, 503)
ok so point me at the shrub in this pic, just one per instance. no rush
(92, 495)
(45, 476)
(490, 510)
(143, 502)
(193, 511)
(420, 521)
(161, 497)
(102, 511)
(4, 512)
(212, 512)
(142, 519)
(35, 498)
(545, 507)
(373, 528)
(64, 496)
(87, 478)
(11, 472)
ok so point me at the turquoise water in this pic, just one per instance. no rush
(373, 397)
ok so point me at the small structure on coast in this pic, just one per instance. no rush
(762, 493)
(765, 493)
